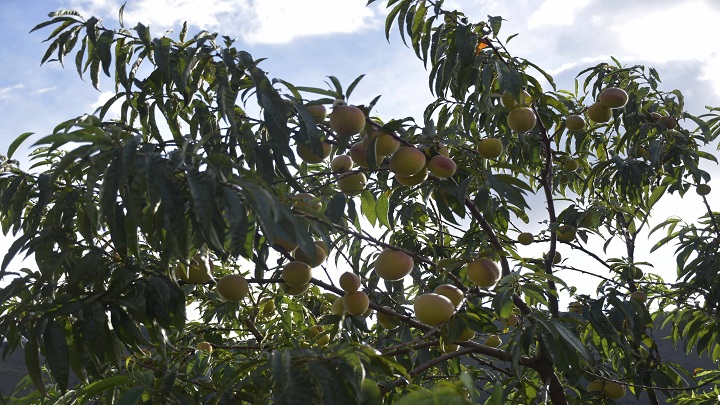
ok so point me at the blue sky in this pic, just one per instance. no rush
(306, 40)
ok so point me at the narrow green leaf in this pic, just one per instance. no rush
(97, 387)
(64, 12)
(316, 90)
(547, 325)
(338, 87)
(367, 206)
(382, 207)
(51, 22)
(336, 208)
(202, 191)
(16, 143)
(574, 341)
(68, 22)
(95, 71)
(79, 56)
(352, 85)
(131, 396)
(497, 397)
(109, 189)
(57, 354)
(50, 51)
(32, 363)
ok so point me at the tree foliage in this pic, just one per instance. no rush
(201, 169)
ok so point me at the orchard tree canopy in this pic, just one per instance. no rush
(225, 241)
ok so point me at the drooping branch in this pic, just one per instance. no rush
(546, 181)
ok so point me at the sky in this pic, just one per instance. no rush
(304, 41)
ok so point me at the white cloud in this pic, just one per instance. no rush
(281, 21)
(6, 92)
(258, 21)
(114, 112)
(646, 36)
(44, 90)
(161, 15)
(579, 64)
(556, 12)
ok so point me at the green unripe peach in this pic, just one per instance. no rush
(266, 306)
(318, 111)
(490, 148)
(338, 308)
(556, 259)
(386, 321)
(289, 290)
(407, 160)
(613, 390)
(316, 333)
(346, 120)
(599, 113)
(296, 274)
(352, 183)
(206, 347)
(521, 119)
(566, 233)
(668, 122)
(356, 303)
(483, 272)
(359, 155)
(493, 341)
(508, 101)
(414, 180)
(385, 144)
(595, 386)
(575, 122)
(466, 335)
(613, 97)
(433, 309)
(308, 200)
(232, 287)
(349, 282)
(306, 153)
(341, 163)
(525, 238)
(198, 272)
(638, 296)
(442, 166)
(703, 189)
(320, 255)
(393, 265)
(571, 165)
(454, 294)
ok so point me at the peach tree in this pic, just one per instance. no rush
(224, 240)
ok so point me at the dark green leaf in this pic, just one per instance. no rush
(131, 396)
(56, 352)
(98, 387)
(32, 363)
(336, 208)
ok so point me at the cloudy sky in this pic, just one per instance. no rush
(307, 40)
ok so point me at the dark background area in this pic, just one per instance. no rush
(12, 370)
